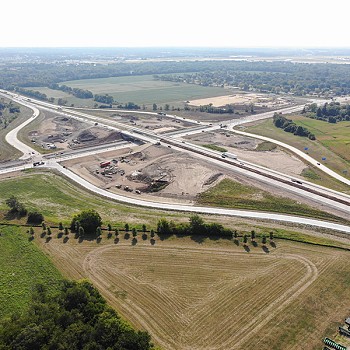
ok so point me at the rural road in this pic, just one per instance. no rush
(53, 164)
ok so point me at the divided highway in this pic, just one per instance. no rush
(151, 137)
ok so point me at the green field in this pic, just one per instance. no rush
(22, 266)
(232, 194)
(138, 89)
(58, 200)
(332, 142)
(335, 137)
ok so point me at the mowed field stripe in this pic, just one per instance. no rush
(251, 299)
(179, 321)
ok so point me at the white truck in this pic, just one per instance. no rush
(229, 155)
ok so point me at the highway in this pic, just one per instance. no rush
(299, 153)
(151, 137)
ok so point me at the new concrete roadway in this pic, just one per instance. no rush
(53, 164)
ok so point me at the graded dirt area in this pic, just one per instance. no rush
(214, 294)
(157, 122)
(152, 170)
(247, 149)
(159, 171)
(261, 100)
(57, 132)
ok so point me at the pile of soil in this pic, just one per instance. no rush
(86, 136)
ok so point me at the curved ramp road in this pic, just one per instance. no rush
(198, 209)
(11, 137)
(299, 153)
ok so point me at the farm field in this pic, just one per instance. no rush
(332, 143)
(138, 89)
(215, 294)
(22, 266)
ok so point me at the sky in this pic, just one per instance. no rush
(187, 23)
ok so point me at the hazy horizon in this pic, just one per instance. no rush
(156, 23)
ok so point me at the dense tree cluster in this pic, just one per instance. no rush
(35, 218)
(289, 126)
(220, 110)
(107, 99)
(332, 112)
(273, 77)
(8, 112)
(129, 105)
(86, 222)
(80, 93)
(77, 318)
(32, 93)
(196, 226)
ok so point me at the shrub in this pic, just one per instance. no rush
(35, 218)
(89, 220)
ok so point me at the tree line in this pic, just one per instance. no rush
(80, 93)
(289, 126)
(297, 79)
(88, 224)
(332, 112)
(276, 77)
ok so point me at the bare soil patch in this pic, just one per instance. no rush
(159, 173)
(58, 132)
(261, 100)
(246, 150)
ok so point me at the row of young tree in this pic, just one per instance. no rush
(332, 112)
(289, 126)
(88, 224)
(75, 318)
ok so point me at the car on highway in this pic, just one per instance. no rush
(38, 163)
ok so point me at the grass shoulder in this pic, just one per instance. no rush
(215, 147)
(232, 194)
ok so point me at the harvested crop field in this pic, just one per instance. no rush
(216, 294)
